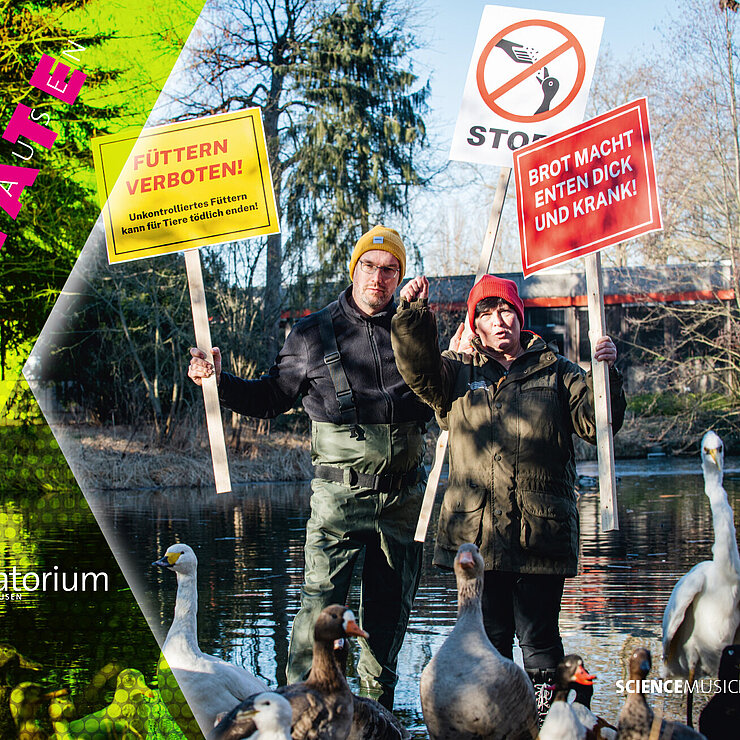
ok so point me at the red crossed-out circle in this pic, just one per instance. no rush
(490, 97)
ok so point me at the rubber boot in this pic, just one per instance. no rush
(382, 694)
(543, 680)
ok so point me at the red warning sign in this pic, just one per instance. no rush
(587, 188)
(535, 65)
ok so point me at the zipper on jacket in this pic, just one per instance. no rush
(379, 371)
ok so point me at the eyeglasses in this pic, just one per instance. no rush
(385, 272)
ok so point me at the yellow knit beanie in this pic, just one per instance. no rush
(379, 237)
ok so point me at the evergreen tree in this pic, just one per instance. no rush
(359, 142)
(342, 121)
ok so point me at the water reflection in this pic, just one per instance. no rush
(70, 634)
(250, 550)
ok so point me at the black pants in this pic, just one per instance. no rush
(528, 606)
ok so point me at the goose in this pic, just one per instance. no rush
(209, 684)
(126, 716)
(322, 704)
(370, 719)
(703, 611)
(720, 718)
(468, 689)
(636, 719)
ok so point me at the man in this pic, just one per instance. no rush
(511, 405)
(367, 446)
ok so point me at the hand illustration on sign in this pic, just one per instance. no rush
(524, 55)
(564, 50)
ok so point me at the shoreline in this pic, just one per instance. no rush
(108, 458)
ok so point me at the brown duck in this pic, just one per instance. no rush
(636, 719)
(469, 691)
(322, 704)
(370, 719)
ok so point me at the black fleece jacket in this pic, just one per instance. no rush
(364, 343)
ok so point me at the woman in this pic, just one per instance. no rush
(511, 405)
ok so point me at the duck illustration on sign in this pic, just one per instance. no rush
(525, 55)
(529, 77)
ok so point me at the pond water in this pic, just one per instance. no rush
(250, 550)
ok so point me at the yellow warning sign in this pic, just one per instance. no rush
(185, 185)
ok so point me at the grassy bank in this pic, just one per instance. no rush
(104, 458)
(108, 458)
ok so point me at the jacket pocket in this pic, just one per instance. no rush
(548, 525)
(461, 515)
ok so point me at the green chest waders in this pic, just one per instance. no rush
(367, 491)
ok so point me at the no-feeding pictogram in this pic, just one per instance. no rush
(541, 64)
(528, 78)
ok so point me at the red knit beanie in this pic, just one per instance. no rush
(490, 286)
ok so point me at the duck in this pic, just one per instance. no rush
(562, 722)
(126, 716)
(720, 718)
(91, 698)
(272, 716)
(25, 700)
(195, 687)
(322, 704)
(581, 685)
(14, 667)
(468, 689)
(703, 612)
(636, 719)
(370, 719)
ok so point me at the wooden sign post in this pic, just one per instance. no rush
(484, 265)
(602, 402)
(183, 186)
(502, 110)
(578, 192)
(210, 388)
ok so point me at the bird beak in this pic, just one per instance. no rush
(56, 694)
(28, 664)
(466, 560)
(352, 628)
(714, 454)
(245, 714)
(582, 677)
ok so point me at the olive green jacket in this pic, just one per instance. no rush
(511, 459)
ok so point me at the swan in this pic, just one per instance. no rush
(322, 704)
(25, 700)
(209, 684)
(468, 689)
(703, 612)
(13, 666)
(636, 719)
